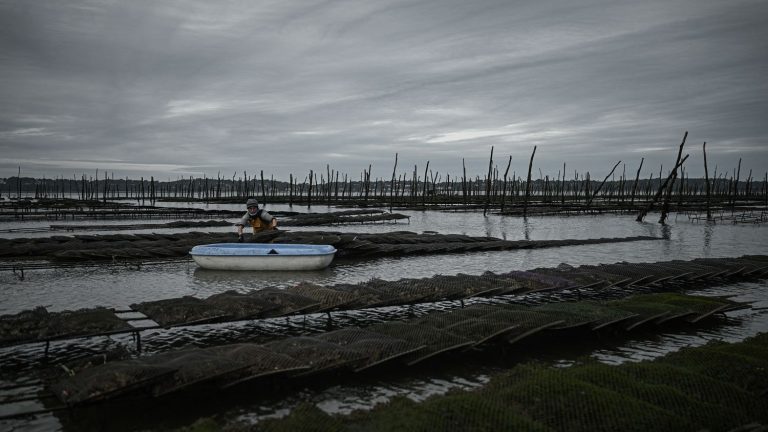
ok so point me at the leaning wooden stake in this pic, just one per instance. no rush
(668, 198)
(528, 184)
(504, 187)
(678, 164)
(601, 184)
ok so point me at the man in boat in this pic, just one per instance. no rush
(257, 218)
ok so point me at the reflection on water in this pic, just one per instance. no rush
(708, 230)
(666, 232)
(526, 228)
(243, 281)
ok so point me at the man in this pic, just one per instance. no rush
(257, 218)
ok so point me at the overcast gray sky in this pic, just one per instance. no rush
(192, 88)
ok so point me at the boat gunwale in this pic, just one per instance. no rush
(232, 250)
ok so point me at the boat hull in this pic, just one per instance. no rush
(263, 256)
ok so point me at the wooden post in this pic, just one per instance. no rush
(488, 185)
(290, 190)
(464, 181)
(336, 188)
(309, 191)
(623, 183)
(587, 187)
(660, 191)
(263, 190)
(504, 187)
(637, 178)
(601, 184)
(392, 186)
(735, 193)
(367, 183)
(562, 187)
(667, 198)
(665, 208)
(424, 186)
(528, 183)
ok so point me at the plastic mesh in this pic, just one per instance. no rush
(378, 347)
(194, 366)
(328, 298)
(409, 341)
(178, 311)
(109, 381)
(316, 353)
(38, 323)
(584, 313)
(241, 306)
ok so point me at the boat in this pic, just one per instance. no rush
(263, 256)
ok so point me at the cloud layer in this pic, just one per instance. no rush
(196, 88)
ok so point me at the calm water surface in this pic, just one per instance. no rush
(79, 287)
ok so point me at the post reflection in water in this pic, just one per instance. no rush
(526, 228)
(504, 227)
(489, 224)
(666, 232)
(709, 228)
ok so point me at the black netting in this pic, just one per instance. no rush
(179, 311)
(242, 306)
(328, 298)
(39, 324)
(318, 354)
(436, 341)
(109, 381)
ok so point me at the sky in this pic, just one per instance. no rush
(174, 89)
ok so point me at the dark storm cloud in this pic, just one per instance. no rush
(196, 87)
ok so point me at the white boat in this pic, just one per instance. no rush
(263, 256)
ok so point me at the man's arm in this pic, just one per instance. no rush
(267, 218)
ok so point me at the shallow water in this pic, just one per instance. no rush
(115, 286)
